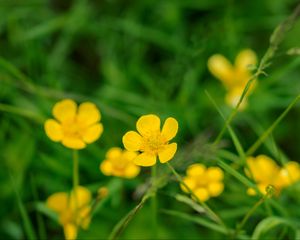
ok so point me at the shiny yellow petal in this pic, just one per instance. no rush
(53, 130)
(202, 194)
(196, 170)
(106, 168)
(131, 171)
(58, 202)
(92, 133)
(289, 174)
(190, 183)
(215, 188)
(73, 143)
(168, 153)
(222, 69)
(114, 152)
(81, 197)
(129, 156)
(215, 174)
(70, 231)
(145, 160)
(245, 59)
(148, 124)
(88, 114)
(170, 128)
(132, 141)
(84, 217)
(65, 110)
(233, 97)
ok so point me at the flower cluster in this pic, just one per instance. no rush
(74, 126)
(234, 77)
(150, 141)
(265, 171)
(119, 163)
(203, 182)
(73, 210)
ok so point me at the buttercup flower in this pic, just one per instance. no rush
(73, 210)
(120, 163)
(234, 77)
(265, 171)
(74, 126)
(204, 182)
(150, 141)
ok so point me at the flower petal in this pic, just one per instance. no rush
(244, 59)
(92, 133)
(215, 188)
(196, 170)
(58, 202)
(145, 160)
(132, 141)
(131, 171)
(222, 69)
(170, 128)
(88, 113)
(114, 152)
(233, 97)
(70, 231)
(73, 143)
(53, 130)
(202, 194)
(82, 197)
(168, 153)
(65, 110)
(106, 168)
(215, 174)
(148, 124)
(190, 183)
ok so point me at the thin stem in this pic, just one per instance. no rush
(154, 202)
(212, 214)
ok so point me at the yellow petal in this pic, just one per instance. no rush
(81, 197)
(148, 124)
(190, 183)
(222, 69)
(145, 160)
(131, 171)
(196, 170)
(251, 192)
(73, 143)
(168, 153)
(65, 110)
(92, 133)
(114, 152)
(70, 231)
(170, 128)
(233, 97)
(244, 59)
(58, 202)
(84, 217)
(88, 113)
(202, 194)
(215, 174)
(289, 174)
(53, 130)
(129, 156)
(106, 168)
(215, 188)
(132, 141)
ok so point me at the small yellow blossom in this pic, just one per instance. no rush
(120, 163)
(150, 141)
(265, 171)
(204, 182)
(73, 210)
(74, 126)
(102, 192)
(234, 77)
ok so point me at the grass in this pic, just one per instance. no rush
(134, 58)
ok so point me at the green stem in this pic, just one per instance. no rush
(154, 203)
(210, 212)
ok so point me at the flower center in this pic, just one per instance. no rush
(153, 143)
(72, 129)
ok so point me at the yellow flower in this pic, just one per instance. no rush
(120, 163)
(289, 174)
(74, 126)
(204, 182)
(150, 141)
(234, 77)
(73, 210)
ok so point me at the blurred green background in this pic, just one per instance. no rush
(131, 58)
